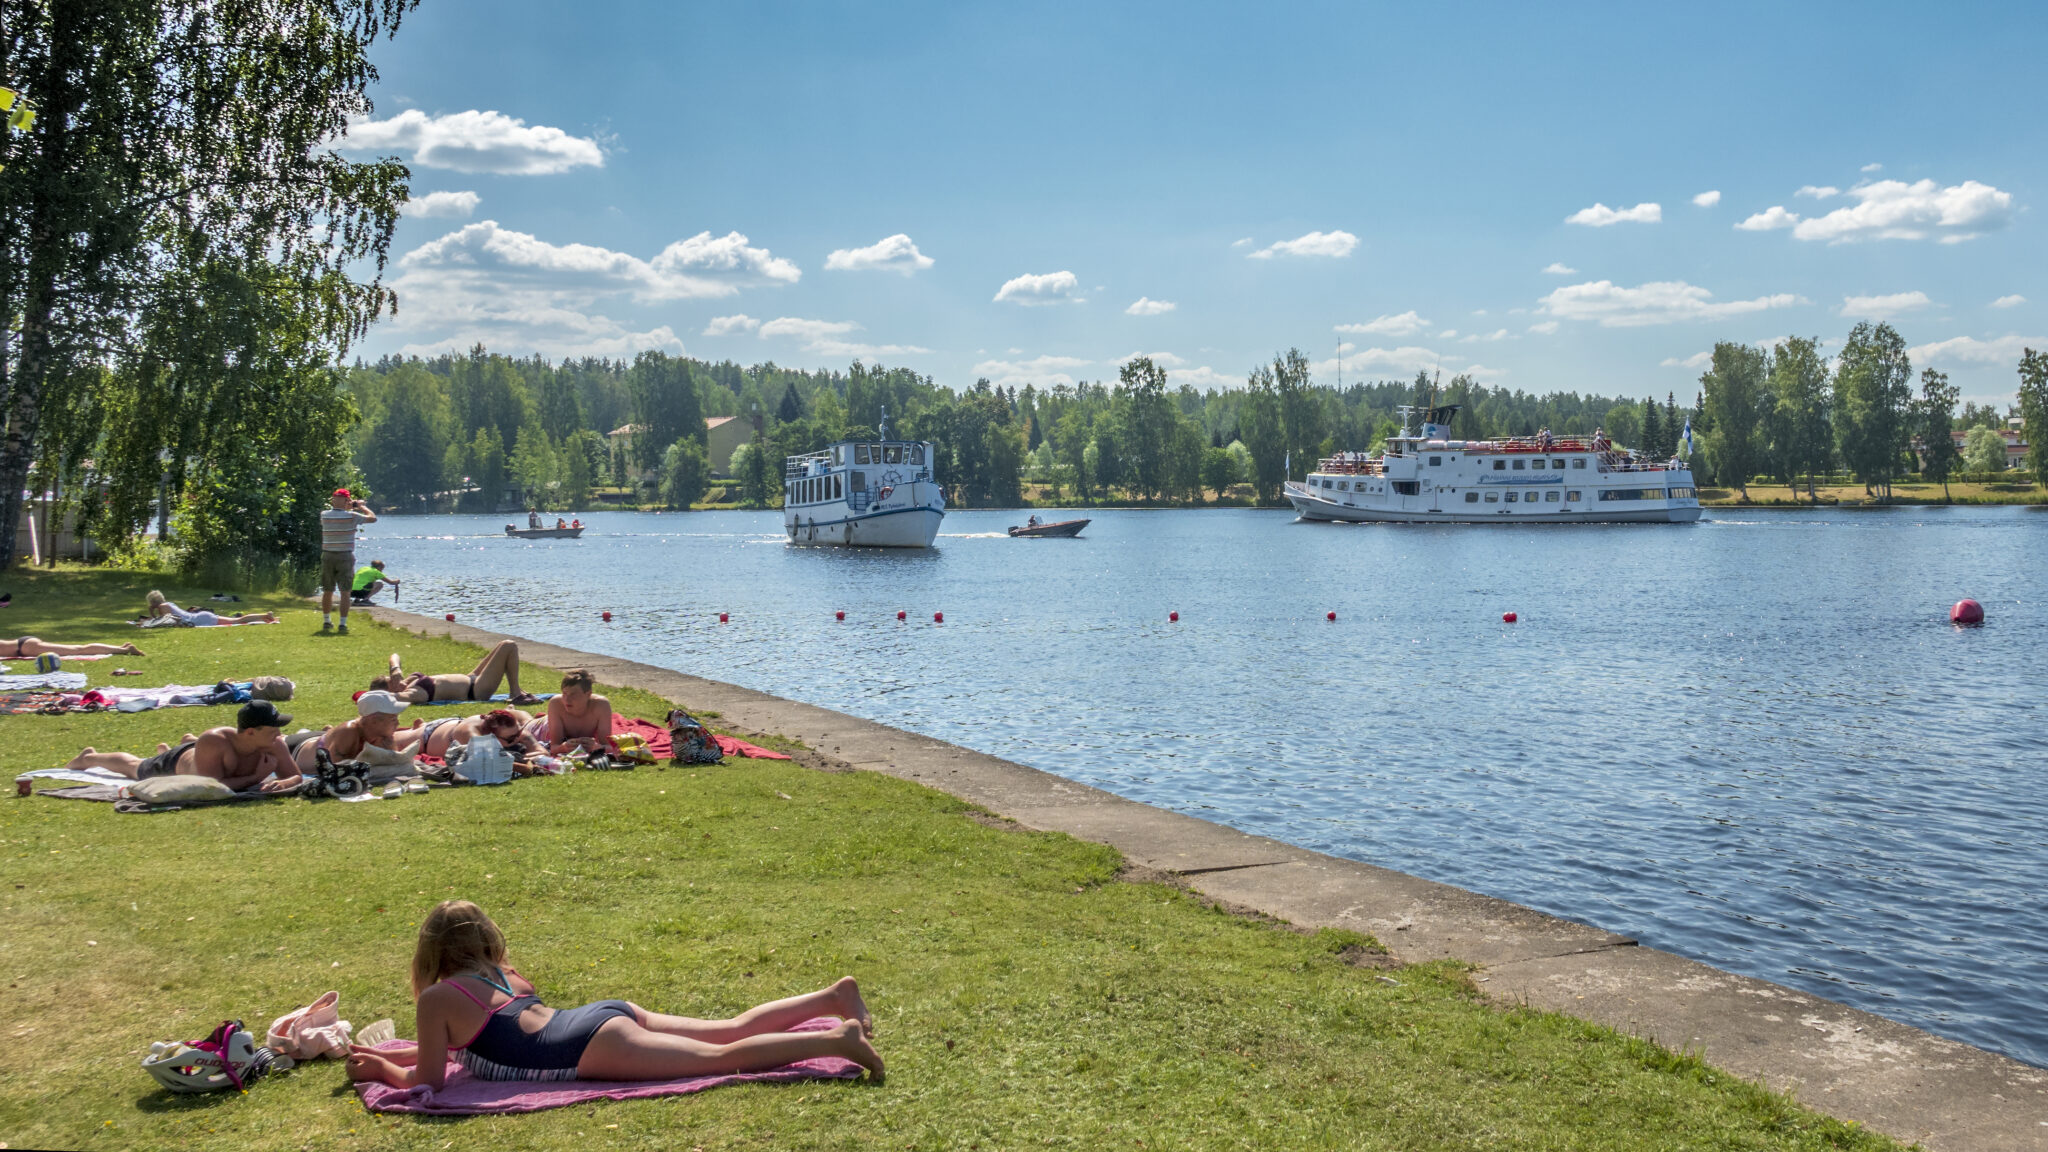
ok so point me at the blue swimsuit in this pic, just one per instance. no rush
(502, 1050)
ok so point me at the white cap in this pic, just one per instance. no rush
(383, 702)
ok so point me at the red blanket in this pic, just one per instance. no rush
(657, 739)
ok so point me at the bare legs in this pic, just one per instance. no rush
(662, 1047)
(249, 618)
(123, 762)
(30, 646)
(499, 665)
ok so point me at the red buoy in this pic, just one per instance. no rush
(721, 617)
(451, 617)
(607, 617)
(1966, 611)
(839, 615)
(1508, 617)
(900, 614)
(1173, 617)
(1332, 617)
(938, 617)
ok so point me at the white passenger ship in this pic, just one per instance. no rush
(863, 494)
(1433, 479)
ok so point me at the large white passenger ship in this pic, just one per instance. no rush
(863, 494)
(1433, 479)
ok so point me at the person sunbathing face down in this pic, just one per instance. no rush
(249, 755)
(436, 736)
(473, 1007)
(578, 719)
(376, 723)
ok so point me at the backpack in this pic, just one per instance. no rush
(690, 742)
(482, 761)
(228, 1058)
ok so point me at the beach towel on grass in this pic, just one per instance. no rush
(657, 740)
(464, 1095)
(500, 698)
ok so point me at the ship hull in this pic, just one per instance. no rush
(882, 528)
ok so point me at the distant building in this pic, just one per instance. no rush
(2014, 433)
(722, 435)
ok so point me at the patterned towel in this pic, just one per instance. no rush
(657, 740)
(464, 1095)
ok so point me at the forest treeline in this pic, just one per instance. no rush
(468, 427)
(1789, 414)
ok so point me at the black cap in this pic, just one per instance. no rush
(260, 714)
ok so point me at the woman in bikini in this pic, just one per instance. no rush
(499, 666)
(30, 646)
(201, 618)
(436, 736)
(473, 1008)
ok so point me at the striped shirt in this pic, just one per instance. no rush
(338, 529)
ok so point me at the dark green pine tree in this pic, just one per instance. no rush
(791, 409)
(1653, 429)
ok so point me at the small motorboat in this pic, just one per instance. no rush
(1057, 528)
(545, 533)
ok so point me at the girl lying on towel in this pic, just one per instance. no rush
(476, 1010)
(201, 618)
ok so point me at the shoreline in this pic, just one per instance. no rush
(1885, 1075)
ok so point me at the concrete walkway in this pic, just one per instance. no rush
(1887, 1076)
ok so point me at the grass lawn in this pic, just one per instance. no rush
(1025, 995)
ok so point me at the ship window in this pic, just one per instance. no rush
(860, 453)
(1407, 487)
(1536, 464)
(1571, 495)
(1498, 465)
(1471, 497)
(1493, 497)
(1559, 464)
(917, 453)
(1520, 465)
(1343, 486)
(1511, 497)
(1681, 493)
(860, 481)
(1550, 497)
(893, 454)
(1578, 461)
(1436, 461)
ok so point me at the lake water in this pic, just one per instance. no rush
(1755, 741)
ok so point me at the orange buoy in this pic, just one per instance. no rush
(1331, 617)
(721, 617)
(900, 614)
(1508, 617)
(1173, 617)
(839, 615)
(938, 617)
(1966, 611)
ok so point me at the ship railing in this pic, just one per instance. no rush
(798, 467)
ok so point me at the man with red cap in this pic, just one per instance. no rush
(338, 553)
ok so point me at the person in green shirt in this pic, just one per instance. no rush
(369, 581)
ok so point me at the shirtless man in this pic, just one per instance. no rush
(436, 737)
(241, 757)
(376, 723)
(499, 665)
(578, 718)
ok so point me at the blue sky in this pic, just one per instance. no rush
(1019, 191)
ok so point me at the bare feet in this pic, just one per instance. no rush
(131, 649)
(75, 759)
(852, 1007)
(162, 747)
(524, 698)
(854, 1046)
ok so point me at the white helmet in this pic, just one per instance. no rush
(229, 1058)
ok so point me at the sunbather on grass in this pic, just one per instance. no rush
(437, 736)
(29, 646)
(376, 723)
(578, 718)
(201, 618)
(249, 755)
(499, 666)
(483, 1014)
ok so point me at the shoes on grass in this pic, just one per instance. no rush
(342, 630)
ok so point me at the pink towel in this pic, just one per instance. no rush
(657, 739)
(464, 1095)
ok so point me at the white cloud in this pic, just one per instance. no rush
(1969, 349)
(1040, 288)
(1600, 215)
(1696, 361)
(1405, 324)
(1768, 220)
(1241, 242)
(1448, 334)
(1559, 268)
(1658, 302)
(1202, 379)
(1333, 244)
(1895, 210)
(1871, 168)
(1884, 307)
(1707, 199)
(726, 325)
(436, 204)
(1545, 328)
(2012, 301)
(1163, 359)
(473, 141)
(896, 253)
(1405, 360)
(1818, 191)
(725, 257)
(1485, 337)
(826, 338)
(551, 332)
(1145, 306)
(1040, 370)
